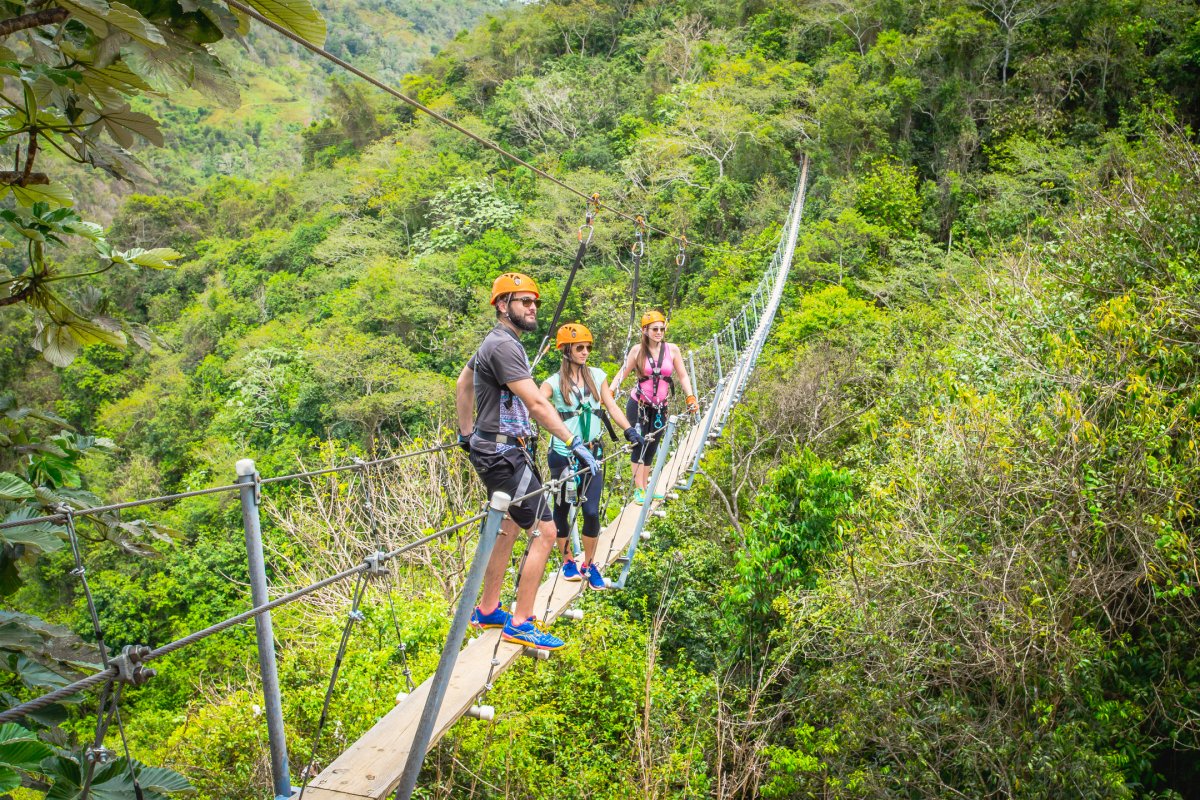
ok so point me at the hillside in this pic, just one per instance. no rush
(948, 547)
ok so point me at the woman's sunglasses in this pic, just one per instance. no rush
(583, 348)
(657, 329)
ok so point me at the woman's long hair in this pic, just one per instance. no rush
(567, 385)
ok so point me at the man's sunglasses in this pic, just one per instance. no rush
(536, 302)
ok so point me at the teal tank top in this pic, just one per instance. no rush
(587, 425)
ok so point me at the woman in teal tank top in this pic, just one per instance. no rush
(582, 397)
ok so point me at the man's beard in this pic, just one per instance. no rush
(523, 323)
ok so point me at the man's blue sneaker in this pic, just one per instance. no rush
(595, 579)
(531, 634)
(494, 619)
(570, 571)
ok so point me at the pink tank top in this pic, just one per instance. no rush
(655, 388)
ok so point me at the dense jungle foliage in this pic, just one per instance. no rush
(947, 547)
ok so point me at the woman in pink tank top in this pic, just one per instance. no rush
(657, 365)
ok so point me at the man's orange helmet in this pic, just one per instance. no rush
(511, 282)
(651, 317)
(572, 333)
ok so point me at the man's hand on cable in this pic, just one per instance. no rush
(579, 448)
(634, 437)
(692, 405)
(464, 441)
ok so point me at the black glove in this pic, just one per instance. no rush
(464, 441)
(579, 448)
(634, 437)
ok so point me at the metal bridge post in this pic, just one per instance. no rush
(247, 474)
(717, 353)
(692, 373)
(708, 421)
(659, 460)
(497, 508)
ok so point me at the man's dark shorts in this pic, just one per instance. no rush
(511, 472)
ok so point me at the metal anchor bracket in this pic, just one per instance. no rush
(130, 668)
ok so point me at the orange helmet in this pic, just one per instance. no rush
(511, 282)
(650, 317)
(572, 333)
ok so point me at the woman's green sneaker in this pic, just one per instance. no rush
(639, 496)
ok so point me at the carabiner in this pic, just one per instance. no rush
(681, 256)
(593, 207)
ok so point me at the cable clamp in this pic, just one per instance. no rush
(377, 565)
(98, 755)
(130, 666)
(79, 572)
(356, 615)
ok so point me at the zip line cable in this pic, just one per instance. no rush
(490, 145)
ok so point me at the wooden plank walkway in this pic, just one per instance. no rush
(371, 767)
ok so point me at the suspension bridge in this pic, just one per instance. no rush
(388, 757)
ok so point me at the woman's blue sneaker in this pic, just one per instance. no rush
(570, 571)
(595, 579)
(493, 619)
(639, 496)
(531, 634)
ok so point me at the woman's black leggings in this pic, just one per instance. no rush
(587, 488)
(650, 421)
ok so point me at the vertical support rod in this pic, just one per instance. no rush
(717, 353)
(497, 508)
(733, 338)
(659, 460)
(281, 779)
(746, 326)
(708, 421)
(692, 373)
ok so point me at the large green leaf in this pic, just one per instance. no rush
(13, 488)
(44, 535)
(46, 542)
(53, 193)
(9, 780)
(12, 732)
(32, 674)
(124, 18)
(121, 123)
(298, 16)
(56, 344)
(157, 258)
(162, 780)
(24, 754)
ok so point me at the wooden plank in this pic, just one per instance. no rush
(371, 767)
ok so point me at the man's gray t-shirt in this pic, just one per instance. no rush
(500, 360)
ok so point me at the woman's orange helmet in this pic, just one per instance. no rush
(511, 282)
(651, 317)
(572, 333)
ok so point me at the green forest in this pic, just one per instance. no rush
(947, 546)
